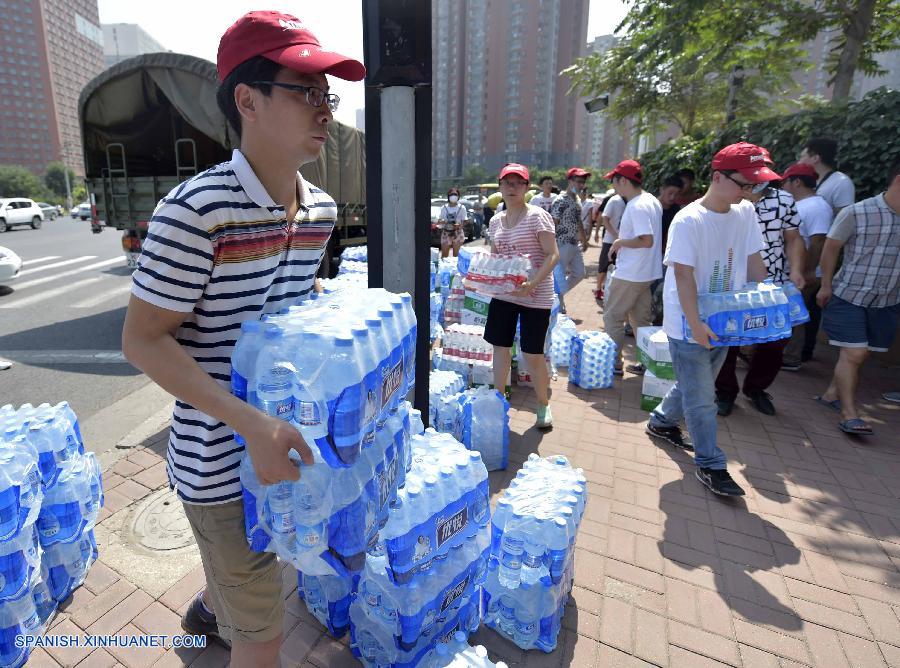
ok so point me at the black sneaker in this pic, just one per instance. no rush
(671, 435)
(791, 366)
(719, 482)
(763, 402)
(724, 406)
(637, 369)
(200, 622)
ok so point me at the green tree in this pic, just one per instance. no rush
(17, 181)
(55, 178)
(675, 59)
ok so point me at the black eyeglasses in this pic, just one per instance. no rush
(315, 96)
(754, 188)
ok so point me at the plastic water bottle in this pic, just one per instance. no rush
(274, 389)
(511, 548)
(312, 505)
(280, 515)
(243, 357)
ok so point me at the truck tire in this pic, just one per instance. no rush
(36, 223)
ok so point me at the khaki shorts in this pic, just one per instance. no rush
(245, 586)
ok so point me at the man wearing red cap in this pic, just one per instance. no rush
(239, 240)
(816, 216)
(780, 225)
(638, 251)
(571, 239)
(714, 246)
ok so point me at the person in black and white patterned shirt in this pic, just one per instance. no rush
(779, 223)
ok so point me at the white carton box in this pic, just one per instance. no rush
(653, 390)
(653, 351)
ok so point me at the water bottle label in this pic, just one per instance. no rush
(48, 525)
(525, 629)
(307, 413)
(238, 385)
(392, 381)
(447, 528)
(454, 593)
(281, 409)
(752, 322)
(310, 539)
(387, 479)
(448, 636)
(282, 522)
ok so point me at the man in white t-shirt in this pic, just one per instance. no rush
(833, 186)
(610, 216)
(638, 250)
(816, 216)
(545, 198)
(714, 246)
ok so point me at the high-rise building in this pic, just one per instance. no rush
(126, 40)
(50, 50)
(815, 80)
(497, 93)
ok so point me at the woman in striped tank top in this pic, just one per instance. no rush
(522, 229)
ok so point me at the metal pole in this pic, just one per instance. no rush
(735, 81)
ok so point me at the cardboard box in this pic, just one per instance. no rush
(475, 309)
(653, 390)
(653, 352)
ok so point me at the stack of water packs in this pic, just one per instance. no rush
(50, 496)
(561, 337)
(457, 653)
(337, 369)
(533, 536)
(422, 581)
(592, 360)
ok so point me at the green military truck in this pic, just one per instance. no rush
(150, 122)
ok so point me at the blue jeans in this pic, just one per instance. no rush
(693, 397)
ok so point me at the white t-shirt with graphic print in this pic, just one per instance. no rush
(717, 246)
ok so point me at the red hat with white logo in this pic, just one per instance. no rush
(577, 171)
(514, 168)
(749, 160)
(800, 169)
(286, 40)
(630, 169)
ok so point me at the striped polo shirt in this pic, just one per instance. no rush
(220, 250)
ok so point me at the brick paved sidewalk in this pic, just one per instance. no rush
(802, 572)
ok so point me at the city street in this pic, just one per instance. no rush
(61, 323)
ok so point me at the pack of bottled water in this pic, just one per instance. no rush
(441, 384)
(561, 337)
(453, 305)
(458, 653)
(436, 305)
(799, 312)
(482, 425)
(353, 267)
(533, 533)
(444, 502)
(467, 342)
(592, 359)
(400, 625)
(324, 523)
(496, 274)
(51, 493)
(757, 313)
(447, 269)
(327, 597)
(356, 253)
(345, 282)
(335, 366)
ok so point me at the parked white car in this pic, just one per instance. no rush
(10, 264)
(19, 211)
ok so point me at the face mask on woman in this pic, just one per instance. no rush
(454, 199)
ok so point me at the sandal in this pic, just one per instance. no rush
(834, 404)
(617, 371)
(855, 426)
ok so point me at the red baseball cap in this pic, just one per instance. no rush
(577, 171)
(514, 168)
(748, 160)
(284, 39)
(630, 169)
(800, 169)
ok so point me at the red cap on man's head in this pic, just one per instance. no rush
(800, 169)
(514, 168)
(577, 171)
(287, 41)
(630, 169)
(748, 160)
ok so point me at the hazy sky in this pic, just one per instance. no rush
(194, 27)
